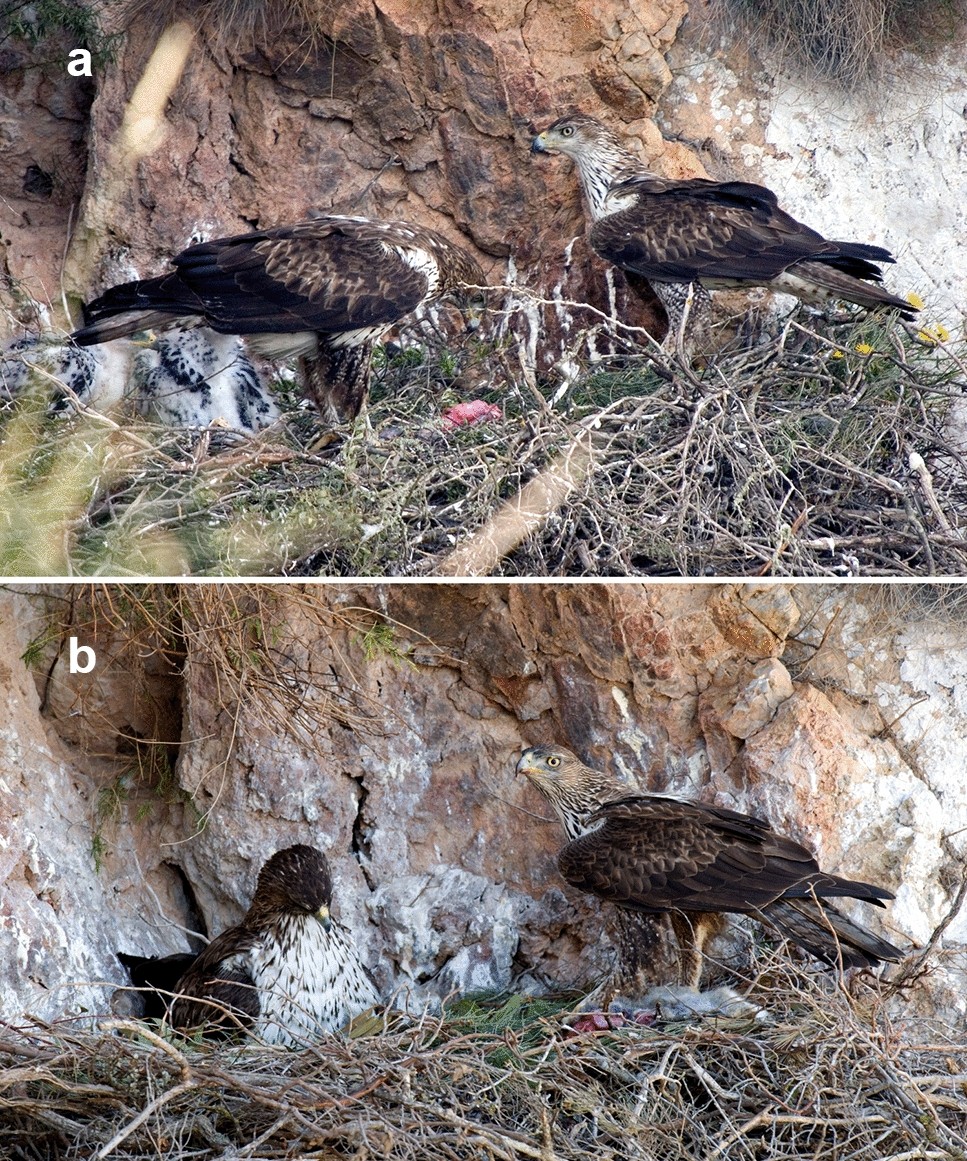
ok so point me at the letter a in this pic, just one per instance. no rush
(79, 64)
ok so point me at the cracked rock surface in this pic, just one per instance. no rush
(383, 724)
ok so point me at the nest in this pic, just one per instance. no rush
(829, 1076)
(822, 452)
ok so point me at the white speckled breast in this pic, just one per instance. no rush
(310, 981)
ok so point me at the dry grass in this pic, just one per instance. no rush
(820, 450)
(849, 43)
(831, 1077)
(253, 646)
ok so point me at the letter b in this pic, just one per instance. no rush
(82, 657)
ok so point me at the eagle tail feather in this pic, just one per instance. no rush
(827, 934)
(137, 306)
(826, 277)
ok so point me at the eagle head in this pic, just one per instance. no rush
(546, 767)
(294, 881)
(573, 789)
(568, 134)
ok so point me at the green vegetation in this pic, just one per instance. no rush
(787, 456)
(380, 640)
(66, 22)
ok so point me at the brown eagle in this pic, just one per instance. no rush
(655, 856)
(687, 237)
(287, 973)
(325, 290)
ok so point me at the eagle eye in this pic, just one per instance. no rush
(567, 130)
(553, 761)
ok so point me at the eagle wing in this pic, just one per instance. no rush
(657, 854)
(680, 231)
(217, 993)
(324, 276)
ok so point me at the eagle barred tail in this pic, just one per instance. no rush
(846, 277)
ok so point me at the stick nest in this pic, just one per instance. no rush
(822, 452)
(830, 1076)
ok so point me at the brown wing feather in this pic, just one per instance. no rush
(656, 854)
(219, 979)
(321, 276)
(681, 231)
(325, 276)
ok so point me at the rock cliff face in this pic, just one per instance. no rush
(383, 724)
(396, 108)
(391, 109)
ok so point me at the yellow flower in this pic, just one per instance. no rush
(935, 334)
(864, 349)
(915, 300)
(838, 354)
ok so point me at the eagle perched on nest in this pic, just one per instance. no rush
(655, 856)
(687, 237)
(325, 290)
(288, 972)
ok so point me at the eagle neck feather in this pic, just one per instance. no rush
(600, 168)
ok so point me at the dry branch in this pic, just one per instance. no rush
(828, 1077)
(526, 513)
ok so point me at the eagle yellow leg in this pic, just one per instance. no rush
(693, 931)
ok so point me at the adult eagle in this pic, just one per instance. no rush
(288, 972)
(689, 237)
(325, 290)
(655, 856)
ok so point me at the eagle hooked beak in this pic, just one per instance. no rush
(473, 312)
(524, 765)
(324, 918)
(539, 144)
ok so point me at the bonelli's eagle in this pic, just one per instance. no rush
(687, 237)
(184, 378)
(655, 856)
(325, 290)
(287, 973)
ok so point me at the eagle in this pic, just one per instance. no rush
(325, 290)
(96, 379)
(195, 377)
(183, 378)
(287, 973)
(657, 857)
(687, 237)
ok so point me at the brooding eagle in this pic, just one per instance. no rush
(288, 972)
(689, 237)
(655, 856)
(325, 290)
